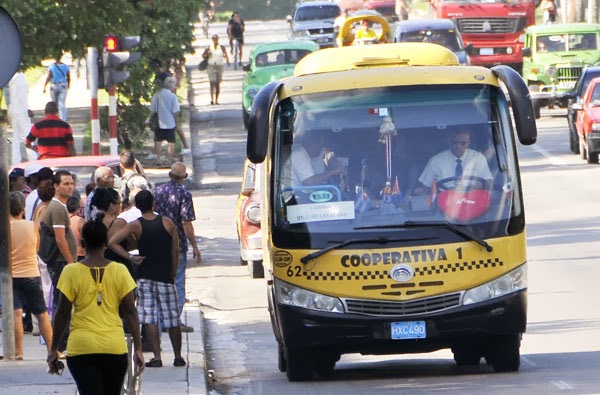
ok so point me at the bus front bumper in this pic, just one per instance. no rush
(352, 333)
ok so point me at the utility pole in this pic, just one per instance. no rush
(92, 62)
(11, 50)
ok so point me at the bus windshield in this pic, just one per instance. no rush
(391, 159)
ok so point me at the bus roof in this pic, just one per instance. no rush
(377, 55)
(370, 77)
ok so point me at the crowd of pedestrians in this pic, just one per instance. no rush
(108, 274)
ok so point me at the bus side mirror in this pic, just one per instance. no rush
(260, 122)
(526, 52)
(521, 104)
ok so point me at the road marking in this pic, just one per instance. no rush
(561, 384)
(552, 158)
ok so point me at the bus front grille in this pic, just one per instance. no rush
(413, 307)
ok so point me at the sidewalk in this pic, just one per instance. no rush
(29, 376)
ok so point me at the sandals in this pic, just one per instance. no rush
(179, 362)
(154, 363)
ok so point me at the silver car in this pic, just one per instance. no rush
(313, 20)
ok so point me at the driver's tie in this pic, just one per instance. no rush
(459, 169)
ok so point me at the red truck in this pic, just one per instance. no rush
(492, 27)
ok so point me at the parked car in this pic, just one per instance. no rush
(313, 20)
(387, 8)
(437, 31)
(352, 23)
(248, 221)
(270, 62)
(83, 167)
(575, 96)
(554, 57)
(588, 122)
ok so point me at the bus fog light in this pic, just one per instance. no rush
(510, 282)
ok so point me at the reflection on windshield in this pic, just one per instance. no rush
(445, 38)
(316, 13)
(280, 57)
(363, 159)
(567, 42)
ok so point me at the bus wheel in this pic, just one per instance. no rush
(465, 355)
(256, 269)
(326, 364)
(281, 362)
(299, 365)
(503, 353)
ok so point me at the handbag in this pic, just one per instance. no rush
(153, 122)
(48, 248)
(203, 64)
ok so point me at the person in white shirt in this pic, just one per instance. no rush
(20, 114)
(458, 163)
(217, 56)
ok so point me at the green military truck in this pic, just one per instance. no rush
(554, 57)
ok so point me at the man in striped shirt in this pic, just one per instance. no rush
(54, 136)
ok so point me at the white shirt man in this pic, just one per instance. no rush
(19, 113)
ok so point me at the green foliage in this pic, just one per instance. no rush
(50, 28)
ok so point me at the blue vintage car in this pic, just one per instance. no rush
(270, 62)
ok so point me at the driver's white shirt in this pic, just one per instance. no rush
(443, 165)
(303, 166)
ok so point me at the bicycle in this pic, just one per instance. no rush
(236, 54)
(205, 24)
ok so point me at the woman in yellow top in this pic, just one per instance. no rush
(365, 33)
(27, 284)
(92, 292)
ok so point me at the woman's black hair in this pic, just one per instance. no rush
(104, 197)
(94, 233)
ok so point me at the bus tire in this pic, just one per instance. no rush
(299, 365)
(503, 353)
(281, 361)
(256, 269)
(465, 355)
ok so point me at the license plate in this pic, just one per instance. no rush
(486, 51)
(322, 39)
(408, 330)
(566, 85)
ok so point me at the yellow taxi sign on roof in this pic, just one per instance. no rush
(377, 55)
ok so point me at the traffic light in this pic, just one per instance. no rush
(114, 57)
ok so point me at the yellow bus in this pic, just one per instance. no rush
(376, 239)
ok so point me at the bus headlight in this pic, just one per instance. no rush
(293, 296)
(510, 282)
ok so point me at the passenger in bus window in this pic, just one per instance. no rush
(458, 163)
(308, 158)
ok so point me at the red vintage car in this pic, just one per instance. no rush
(248, 222)
(84, 167)
(387, 8)
(588, 122)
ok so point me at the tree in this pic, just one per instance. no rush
(166, 27)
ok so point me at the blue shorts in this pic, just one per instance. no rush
(27, 291)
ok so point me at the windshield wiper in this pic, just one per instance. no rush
(379, 240)
(450, 226)
(453, 228)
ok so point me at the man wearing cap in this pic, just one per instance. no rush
(19, 112)
(54, 136)
(35, 176)
(17, 182)
(165, 103)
